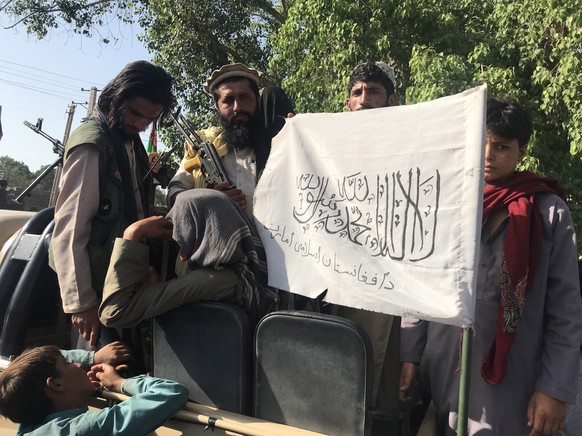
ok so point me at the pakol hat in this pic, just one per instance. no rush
(228, 71)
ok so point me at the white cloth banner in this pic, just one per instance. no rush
(380, 207)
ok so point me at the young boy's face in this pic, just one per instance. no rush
(73, 377)
(501, 157)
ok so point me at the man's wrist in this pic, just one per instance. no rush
(133, 233)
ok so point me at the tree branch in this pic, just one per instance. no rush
(267, 6)
(50, 11)
(220, 46)
(5, 5)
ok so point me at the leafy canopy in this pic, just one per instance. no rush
(529, 50)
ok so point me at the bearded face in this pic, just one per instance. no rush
(237, 106)
(238, 133)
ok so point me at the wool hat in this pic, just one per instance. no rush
(231, 70)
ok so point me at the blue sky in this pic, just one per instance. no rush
(41, 78)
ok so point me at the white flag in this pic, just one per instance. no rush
(380, 207)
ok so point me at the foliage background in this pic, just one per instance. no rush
(529, 50)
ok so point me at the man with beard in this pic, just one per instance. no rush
(238, 139)
(104, 187)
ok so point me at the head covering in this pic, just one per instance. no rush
(228, 71)
(371, 71)
(274, 106)
(384, 67)
(214, 232)
(388, 70)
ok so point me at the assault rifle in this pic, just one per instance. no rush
(58, 148)
(210, 162)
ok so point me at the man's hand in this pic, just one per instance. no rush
(154, 227)
(87, 323)
(155, 162)
(113, 354)
(545, 415)
(104, 376)
(234, 194)
(408, 373)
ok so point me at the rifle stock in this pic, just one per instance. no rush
(210, 162)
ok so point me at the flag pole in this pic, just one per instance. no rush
(464, 383)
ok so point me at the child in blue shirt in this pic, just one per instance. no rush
(47, 392)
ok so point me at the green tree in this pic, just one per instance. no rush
(85, 17)
(16, 173)
(530, 51)
(46, 183)
(189, 39)
(322, 40)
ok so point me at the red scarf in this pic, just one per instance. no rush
(520, 254)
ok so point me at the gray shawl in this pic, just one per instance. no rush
(214, 232)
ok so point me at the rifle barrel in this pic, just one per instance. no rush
(58, 146)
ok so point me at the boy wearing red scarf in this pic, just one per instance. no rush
(528, 316)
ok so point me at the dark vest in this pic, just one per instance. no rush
(116, 199)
